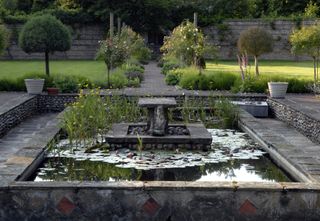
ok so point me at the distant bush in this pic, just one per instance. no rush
(172, 78)
(169, 65)
(191, 79)
(260, 84)
(70, 84)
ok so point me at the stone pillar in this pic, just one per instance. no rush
(160, 121)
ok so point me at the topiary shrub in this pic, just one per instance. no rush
(44, 34)
(255, 41)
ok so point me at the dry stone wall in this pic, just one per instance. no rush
(85, 42)
(86, 38)
(225, 36)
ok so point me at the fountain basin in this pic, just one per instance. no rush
(198, 139)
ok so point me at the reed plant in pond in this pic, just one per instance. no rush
(91, 116)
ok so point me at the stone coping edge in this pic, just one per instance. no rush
(168, 185)
(294, 170)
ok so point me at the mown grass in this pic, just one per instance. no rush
(294, 69)
(93, 70)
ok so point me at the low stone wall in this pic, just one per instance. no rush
(307, 125)
(165, 201)
(15, 115)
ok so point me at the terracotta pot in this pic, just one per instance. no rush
(53, 91)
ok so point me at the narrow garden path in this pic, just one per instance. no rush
(21, 145)
(153, 83)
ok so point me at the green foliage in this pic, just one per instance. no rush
(170, 64)
(307, 41)
(44, 34)
(311, 10)
(190, 79)
(137, 48)
(85, 119)
(227, 112)
(260, 84)
(173, 78)
(4, 38)
(186, 43)
(255, 41)
(69, 83)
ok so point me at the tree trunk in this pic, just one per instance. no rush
(315, 69)
(108, 73)
(256, 65)
(47, 63)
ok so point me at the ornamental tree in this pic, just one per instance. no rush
(255, 41)
(307, 41)
(114, 52)
(4, 37)
(186, 43)
(45, 34)
(136, 44)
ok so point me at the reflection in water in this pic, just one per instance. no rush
(68, 169)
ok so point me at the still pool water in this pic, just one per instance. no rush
(233, 157)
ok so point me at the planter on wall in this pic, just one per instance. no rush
(278, 89)
(53, 90)
(34, 86)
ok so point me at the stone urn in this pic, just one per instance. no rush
(34, 86)
(278, 89)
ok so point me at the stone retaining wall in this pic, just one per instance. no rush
(307, 125)
(86, 38)
(17, 114)
(165, 201)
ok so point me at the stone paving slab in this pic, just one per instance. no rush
(307, 104)
(301, 152)
(10, 100)
(23, 144)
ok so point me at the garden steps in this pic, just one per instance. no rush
(22, 144)
(287, 146)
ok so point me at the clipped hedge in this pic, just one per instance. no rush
(189, 78)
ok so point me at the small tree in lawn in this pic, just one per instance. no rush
(255, 41)
(45, 34)
(4, 37)
(114, 52)
(307, 41)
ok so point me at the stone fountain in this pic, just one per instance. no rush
(157, 133)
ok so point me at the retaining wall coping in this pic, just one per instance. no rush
(168, 185)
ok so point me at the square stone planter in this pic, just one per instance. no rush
(278, 89)
(34, 86)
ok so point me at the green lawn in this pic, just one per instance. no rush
(94, 70)
(281, 68)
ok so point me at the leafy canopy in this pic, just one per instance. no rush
(186, 43)
(306, 41)
(255, 41)
(44, 34)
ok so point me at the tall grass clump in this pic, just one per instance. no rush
(91, 116)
